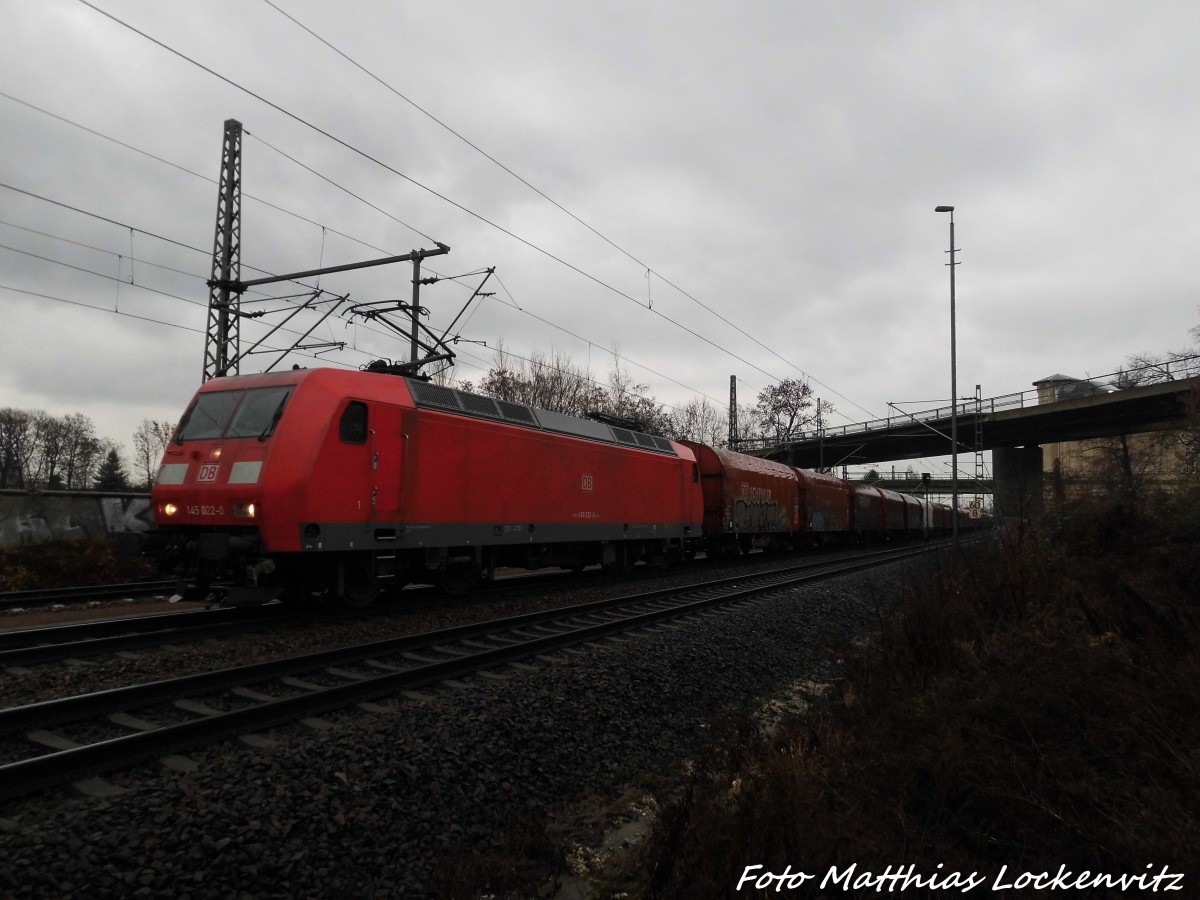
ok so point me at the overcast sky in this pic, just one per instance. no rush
(758, 183)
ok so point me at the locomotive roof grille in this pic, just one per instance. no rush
(475, 405)
(563, 424)
(624, 436)
(484, 406)
(514, 412)
(427, 394)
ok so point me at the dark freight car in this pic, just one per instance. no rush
(748, 502)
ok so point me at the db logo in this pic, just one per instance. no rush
(208, 472)
(587, 482)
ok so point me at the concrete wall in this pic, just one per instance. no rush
(1017, 473)
(31, 516)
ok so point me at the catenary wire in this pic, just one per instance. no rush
(297, 118)
(310, 221)
(553, 202)
(186, 170)
(181, 168)
(201, 305)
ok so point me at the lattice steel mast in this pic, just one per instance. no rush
(222, 342)
(733, 422)
(224, 331)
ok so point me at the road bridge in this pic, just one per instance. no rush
(1014, 427)
(943, 486)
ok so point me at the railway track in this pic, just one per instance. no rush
(54, 643)
(80, 640)
(116, 728)
(48, 596)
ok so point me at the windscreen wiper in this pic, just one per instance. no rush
(266, 432)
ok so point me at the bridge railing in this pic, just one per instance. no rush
(1174, 369)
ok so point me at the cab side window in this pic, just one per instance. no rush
(353, 427)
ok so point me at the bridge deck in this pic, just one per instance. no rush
(1153, 407)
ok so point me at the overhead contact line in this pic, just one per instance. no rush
(367, 156)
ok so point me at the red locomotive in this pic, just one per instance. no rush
(330, 483)
(323, 481)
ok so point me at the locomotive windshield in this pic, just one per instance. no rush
(234, 414)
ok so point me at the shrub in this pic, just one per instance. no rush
(53, 564)
(1033, 706)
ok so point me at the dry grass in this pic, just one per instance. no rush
(67, 564)
(525, 862)
(1035, 707)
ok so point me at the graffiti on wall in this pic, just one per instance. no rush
(27, 518)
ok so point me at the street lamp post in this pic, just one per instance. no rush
(953, 390)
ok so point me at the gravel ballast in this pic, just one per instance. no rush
(397, 801)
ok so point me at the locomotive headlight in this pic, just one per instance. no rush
(169, 509)
(243, 510)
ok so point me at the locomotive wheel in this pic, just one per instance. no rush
(358, 582)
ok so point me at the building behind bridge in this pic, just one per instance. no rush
(1128, 464)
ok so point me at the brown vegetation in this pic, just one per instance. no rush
(1035, 707)
(55, 564)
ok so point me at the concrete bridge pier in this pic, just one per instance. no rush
(1018, 482)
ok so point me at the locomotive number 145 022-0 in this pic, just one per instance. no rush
(206, 510)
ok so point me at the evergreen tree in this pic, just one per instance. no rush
(111, 475)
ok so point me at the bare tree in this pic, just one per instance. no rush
(1149, 368)
(149, 441)
(548, 382)
(50, 435)
(699, 420)
(749, 428)
(61, 452)
(626, 399)
(787, 409)
(446, 378)
(82, 451)
(1129, 466)
(18, 446)
(556, 383)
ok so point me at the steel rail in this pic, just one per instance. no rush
(57, 766)
(44, 596)
(52, 643)
(76, 640)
